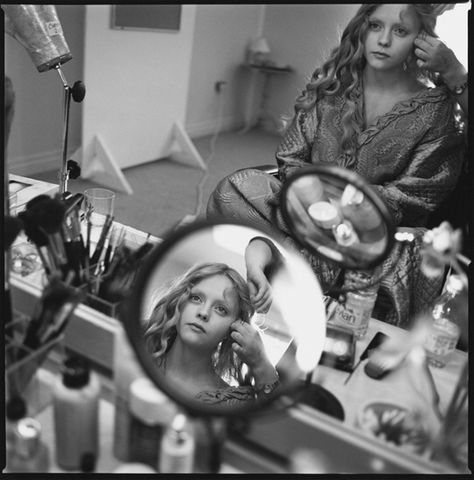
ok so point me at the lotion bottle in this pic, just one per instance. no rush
(177, 447)
(76, 407)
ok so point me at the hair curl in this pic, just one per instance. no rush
(344, 66)
(161, 328)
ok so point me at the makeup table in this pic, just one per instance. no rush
(94, 335)
(304, 427)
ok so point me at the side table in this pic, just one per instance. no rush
(252, 118)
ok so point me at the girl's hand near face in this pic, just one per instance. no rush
(260, 289)
(434, 55)
(248, 345)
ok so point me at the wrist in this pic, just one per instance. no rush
(269, 386)
(455, 79)
(265, 373)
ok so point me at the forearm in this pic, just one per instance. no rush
(455, 78)
(259, 253)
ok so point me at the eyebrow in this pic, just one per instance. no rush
(223, 301)
(400, 22)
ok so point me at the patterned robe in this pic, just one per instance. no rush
(412, 156)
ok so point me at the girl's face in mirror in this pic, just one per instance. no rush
(209, 312)
(389, 41)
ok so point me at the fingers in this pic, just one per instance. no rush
(421, 54)
(263, 303)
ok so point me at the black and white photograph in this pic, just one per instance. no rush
(237, 238)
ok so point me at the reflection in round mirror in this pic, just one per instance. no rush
(337, 215)
(192, 294)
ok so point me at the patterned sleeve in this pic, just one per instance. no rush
(294, 150)
(432, 173)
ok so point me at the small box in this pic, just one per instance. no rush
(23, 189)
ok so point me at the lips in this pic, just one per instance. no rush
(380, 55)
(197, 326)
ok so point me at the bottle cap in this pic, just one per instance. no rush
(324, 214)
(87, 462)
(76, 372)
(144, 400)
(15, 409)
(454, 284)
(28, 435)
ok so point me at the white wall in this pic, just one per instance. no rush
(137, 85)
(221, 36)
(300, 36)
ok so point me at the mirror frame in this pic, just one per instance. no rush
(285, 396)
(360, 183)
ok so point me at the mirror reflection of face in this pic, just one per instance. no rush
(392, 31)
(208, 313)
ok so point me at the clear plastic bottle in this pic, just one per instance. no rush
(30, 453)
(447, 316)
(355, 312)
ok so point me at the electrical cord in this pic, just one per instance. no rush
(199, 189)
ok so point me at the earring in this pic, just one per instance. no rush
(405, 66)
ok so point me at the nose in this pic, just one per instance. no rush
(384, 38)
(203, 313)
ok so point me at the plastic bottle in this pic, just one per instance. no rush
(448, 313)
(151, 411)
(177, 447)
(76, 410)
(30, 453)
(15, 410)
(358, 306)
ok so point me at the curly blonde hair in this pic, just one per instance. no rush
(343, 70)
(160, 331)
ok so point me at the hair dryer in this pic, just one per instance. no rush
(38, 29)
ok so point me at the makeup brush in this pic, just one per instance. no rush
(39, 238)
(12, 227)
(49, 215)
(55, 295)
(43, 217)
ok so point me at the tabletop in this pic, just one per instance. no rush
(400, 386)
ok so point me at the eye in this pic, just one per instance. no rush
(195, 298)
(374, 26)
(401, 31)
(221, 310)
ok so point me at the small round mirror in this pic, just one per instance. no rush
(337, 215)
(188, 295)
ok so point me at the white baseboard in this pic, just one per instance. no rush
(208, 127)
(36, 163)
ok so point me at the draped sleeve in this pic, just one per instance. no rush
(229, 395)
(432, 172)
(294, 151)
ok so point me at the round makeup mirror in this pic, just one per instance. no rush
(189, 293)
(336, 214)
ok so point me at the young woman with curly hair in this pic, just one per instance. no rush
(369, 108)
(189, 334)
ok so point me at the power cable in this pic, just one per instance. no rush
(212, 148)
